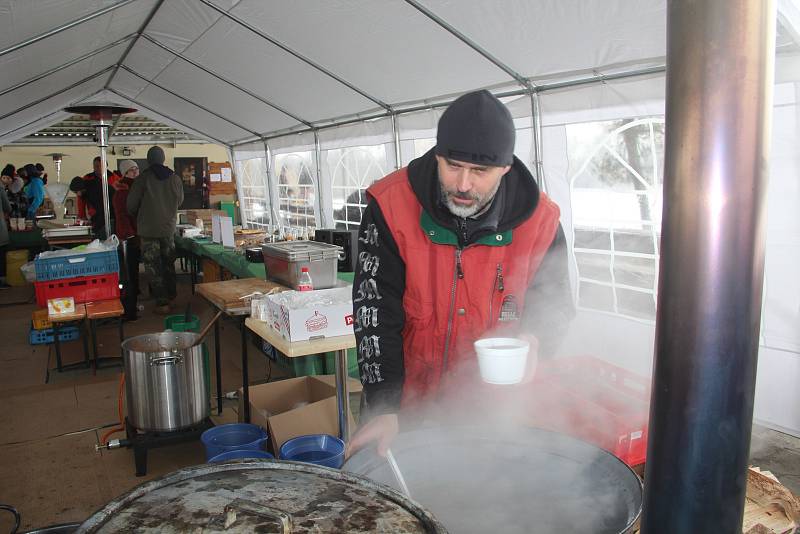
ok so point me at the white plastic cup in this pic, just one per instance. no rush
(502, 360)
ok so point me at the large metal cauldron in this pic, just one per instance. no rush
(164, 381)
(262, 496)
(525, 480)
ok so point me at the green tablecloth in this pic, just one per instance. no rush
(230, 260)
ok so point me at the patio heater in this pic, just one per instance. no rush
(57, 158)
(57, 191)
(100, 114)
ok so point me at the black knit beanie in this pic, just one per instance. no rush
(156, 155)
(477, 128)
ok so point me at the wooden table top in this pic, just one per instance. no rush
(103, 309)
(80, 313)
(299, 348)
(226, 295)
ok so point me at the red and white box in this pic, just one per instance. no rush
(308, 315)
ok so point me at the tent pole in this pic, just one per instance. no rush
(720, 61)
(161, 114)
(65, 65)
(139, 33)
(294, 53)
(273, 215)
(176, 95)
(57, 93)
(536, 128)
(318, 157)
(396, 132)
(227, 81)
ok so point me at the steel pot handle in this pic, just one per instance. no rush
(174, 359)
(242, 506)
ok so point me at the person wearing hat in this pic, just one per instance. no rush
(153, 199)
(126, 232)
(459, 245)
(34, 190)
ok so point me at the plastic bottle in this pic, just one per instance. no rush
(305, 283)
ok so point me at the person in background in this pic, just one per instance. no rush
(34, 190)
(42, 174)
(85, 212)
(5, 210)
(460, 244)
(91, 197)
(126, 232)
(153, 199)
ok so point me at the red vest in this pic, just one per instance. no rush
(445, 314)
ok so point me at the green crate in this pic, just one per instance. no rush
(352, 363)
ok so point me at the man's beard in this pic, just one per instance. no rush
(479, 201)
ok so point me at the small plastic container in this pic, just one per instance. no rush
(232, 437)
(241, 454)
(317, 449)
(502, 360)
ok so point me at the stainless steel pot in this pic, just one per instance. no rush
(164, 381)
(510, 480)
(262, 496)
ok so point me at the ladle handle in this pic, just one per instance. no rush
(205, 330)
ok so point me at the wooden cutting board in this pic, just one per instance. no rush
(227, 295)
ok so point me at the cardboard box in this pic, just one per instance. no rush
(296, 407)
(311, 322)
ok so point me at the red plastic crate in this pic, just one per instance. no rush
(82, 288)
(595, 401)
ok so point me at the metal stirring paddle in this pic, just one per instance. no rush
(396, 471)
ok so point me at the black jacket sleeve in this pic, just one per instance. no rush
(378, 289)
(549, 306)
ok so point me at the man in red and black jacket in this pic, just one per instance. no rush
(459, 245)
(88, 211)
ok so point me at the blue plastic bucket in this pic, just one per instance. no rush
(232, 437)
(317, 449)
(235, 455)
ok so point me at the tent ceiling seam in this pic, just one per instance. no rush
(598, 78)
(37, 119)
(65, 65)
(139, 33)
(64, 27)
(60, 91)
(296, 54)
(222, 78)
(176, 95)
(161, 114)
(189, 45)
(523, 81)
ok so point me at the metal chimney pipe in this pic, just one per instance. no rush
(720, 59)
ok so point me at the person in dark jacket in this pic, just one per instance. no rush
(129, 239)
(90, 195)
(153, 199)
(459, 245)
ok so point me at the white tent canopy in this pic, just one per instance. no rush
(238, 70)
(316, 99)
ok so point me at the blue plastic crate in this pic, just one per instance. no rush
(87, 264)
(44, 337)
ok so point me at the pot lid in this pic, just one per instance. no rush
(476, 478)
(261, 496)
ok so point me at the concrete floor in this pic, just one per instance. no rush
(48, 465)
